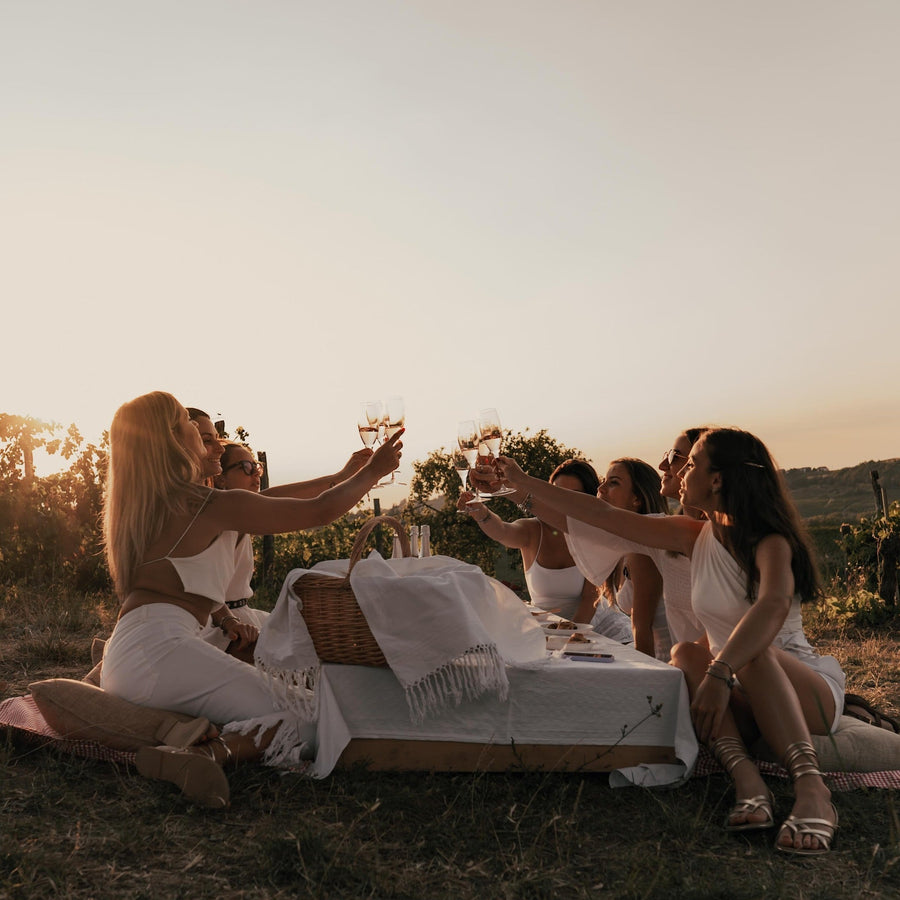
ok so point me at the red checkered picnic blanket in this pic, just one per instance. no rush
(22, 713)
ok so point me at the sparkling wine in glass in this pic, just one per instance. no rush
(461, 465)
(491, 433)
(468, 439)
(393, 419)
(369, 421)
(490, 430)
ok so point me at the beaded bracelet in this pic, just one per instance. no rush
(525, 505)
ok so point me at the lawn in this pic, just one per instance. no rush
(77, 828)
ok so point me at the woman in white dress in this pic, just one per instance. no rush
(636, 584)
(597, 552)
(751, 565)
(554, 582)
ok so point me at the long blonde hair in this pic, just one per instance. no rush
(151, 477)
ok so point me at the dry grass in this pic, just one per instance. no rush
(79, 829)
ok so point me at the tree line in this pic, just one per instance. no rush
(50, 526)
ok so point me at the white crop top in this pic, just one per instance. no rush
(209, 572)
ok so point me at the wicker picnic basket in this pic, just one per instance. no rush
(339, 630)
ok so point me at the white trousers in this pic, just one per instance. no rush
(156, 657)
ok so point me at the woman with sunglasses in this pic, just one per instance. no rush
(235, 627)
(751, 566)
(170, 544)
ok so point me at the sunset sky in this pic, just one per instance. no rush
(611, 220)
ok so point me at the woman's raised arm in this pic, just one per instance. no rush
(676, 533)
(252, 513)
(306, 490)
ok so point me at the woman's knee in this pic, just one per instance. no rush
(690, 657)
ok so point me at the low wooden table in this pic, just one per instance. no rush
(559, 715)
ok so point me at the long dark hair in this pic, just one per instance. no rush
(580, 469)
(757, 502)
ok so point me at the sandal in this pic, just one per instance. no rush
(821, 829)
(729, 752)
(199, 777)
(800, 759)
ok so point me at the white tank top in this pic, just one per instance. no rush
(558, 589)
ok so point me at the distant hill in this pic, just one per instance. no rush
(842, 494)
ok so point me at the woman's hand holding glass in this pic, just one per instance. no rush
(387, 457)
(507, 471)
(357, 460)
(468, 503)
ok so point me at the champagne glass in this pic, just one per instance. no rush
(393, 419)
(491, 433)
(369, 421)
(468, 440)
(461, 465)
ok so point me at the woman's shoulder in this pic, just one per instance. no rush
(775, 547)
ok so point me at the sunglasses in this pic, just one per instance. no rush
(671, 455)
(248, 466)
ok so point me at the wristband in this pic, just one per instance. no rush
(729, 681)
(227, 619)
(722, 662)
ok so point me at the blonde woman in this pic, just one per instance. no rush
(171, 548)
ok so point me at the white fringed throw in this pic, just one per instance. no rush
(445, 629)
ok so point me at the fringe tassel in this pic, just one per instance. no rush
(294, 690)
(479, 670)
(291, 746)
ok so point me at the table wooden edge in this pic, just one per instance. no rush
(386, 755)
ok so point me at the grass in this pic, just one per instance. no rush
(77, 828)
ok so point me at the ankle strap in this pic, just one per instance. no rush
(800, 759)
(221, 742)
(729, 752)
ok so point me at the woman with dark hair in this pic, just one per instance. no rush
(636, 585)
(554, 583)
(751, 565)
(597, 552)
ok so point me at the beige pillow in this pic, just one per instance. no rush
(97, 648)
(854, 746)
(80, 710)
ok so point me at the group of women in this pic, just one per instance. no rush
(727, 574)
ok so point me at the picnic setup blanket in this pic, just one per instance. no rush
(467, 662)
(21, 714)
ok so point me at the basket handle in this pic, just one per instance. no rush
(366, 530)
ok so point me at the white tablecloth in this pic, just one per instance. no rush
(553, 701)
